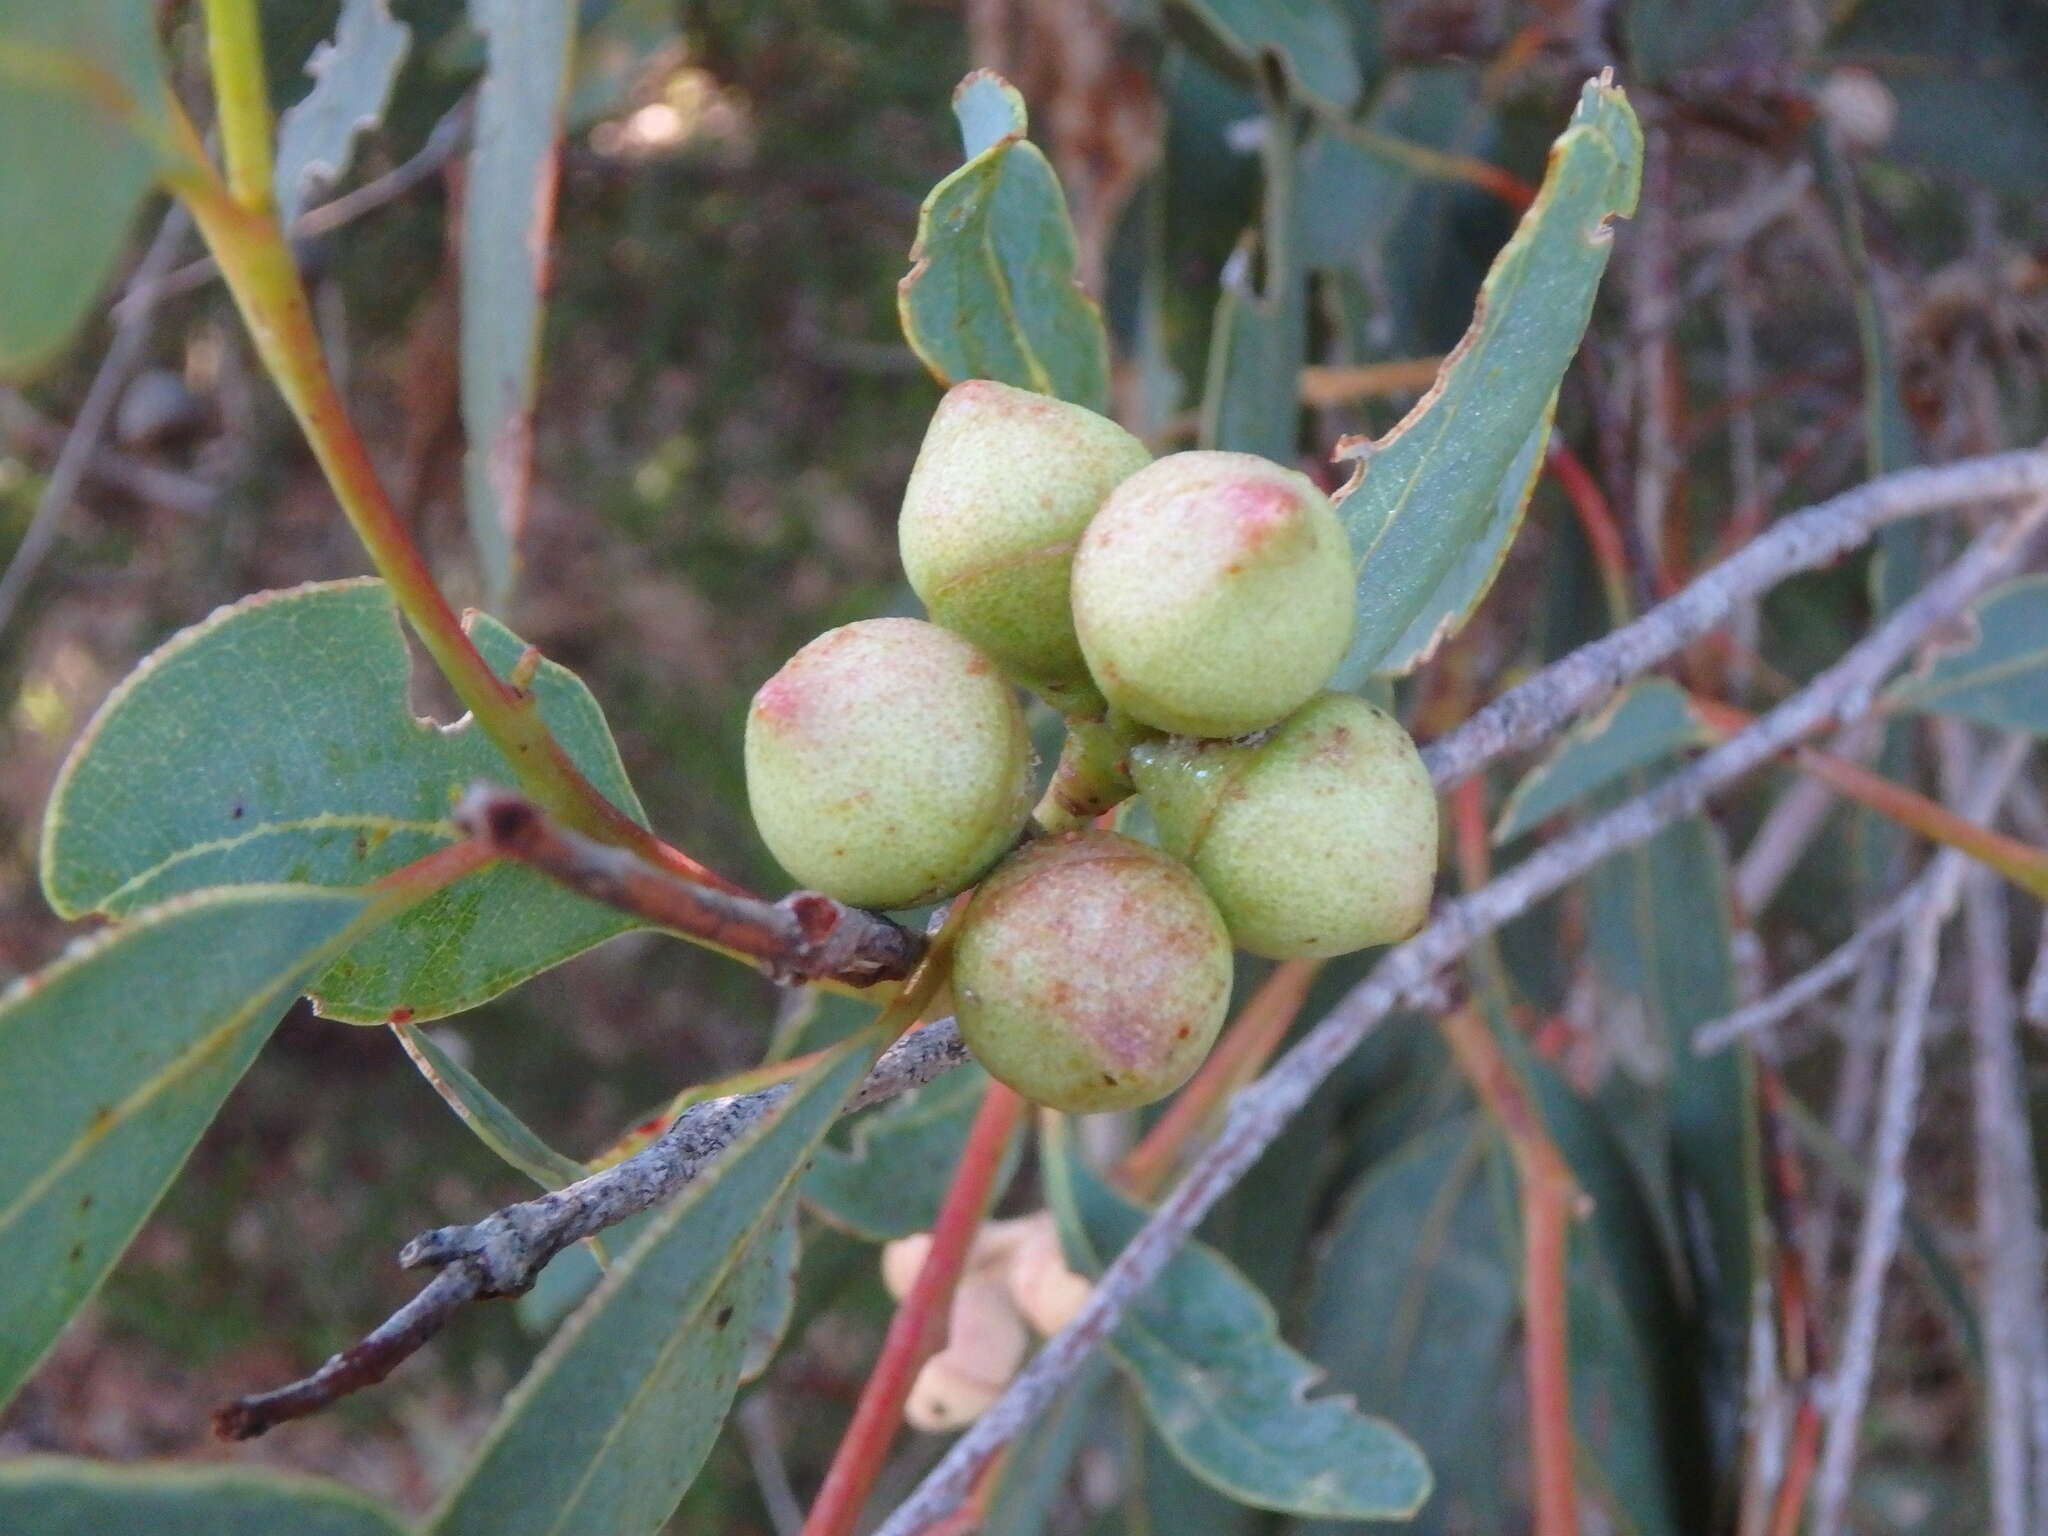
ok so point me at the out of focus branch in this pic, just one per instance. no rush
(1259, 1114)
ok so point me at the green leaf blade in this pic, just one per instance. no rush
(1999, 677)
(1644, 725)
(992, 291)
(352, 78)
(58, 1496)
(606, 1432)
(112, 1061)
(893, 1177)
(1203, 1349)
(272, 741)
(1431, 487)
(81, 93)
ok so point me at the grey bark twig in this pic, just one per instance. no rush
(1259, 1113)
(1877, 1241)
(503, 1253)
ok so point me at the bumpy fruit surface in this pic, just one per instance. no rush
(887, 763)
(1213, 593)
(1004, 484)
(1092, 973)
(1318, 840)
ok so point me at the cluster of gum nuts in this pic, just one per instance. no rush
(1185, 615)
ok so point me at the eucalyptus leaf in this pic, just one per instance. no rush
(1429, 489)
(1311, 39)
(272, 741)
(893, 1176)
(113, 1059)
(1999, 675)
(57, 1496)
(495, 1125)
(1203, 1349)
(1412, 1310)
(508, 215)
(1645, 724)
(607, 1431)
(992, 291)
(352, 78)
(82, 110)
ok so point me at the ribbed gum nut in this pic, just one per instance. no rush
(1213, 594)
(1092, 973)
(1004, 484)
(888, 763)
(1316, 840)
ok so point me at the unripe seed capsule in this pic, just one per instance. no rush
(1213, 594)
(1316, 840)
(1004, 484)
(1092, 973)
(888, 763)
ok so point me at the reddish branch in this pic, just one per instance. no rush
(803, 937)
(918, 1330)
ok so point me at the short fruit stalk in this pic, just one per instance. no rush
(1319, 839)
(888, 763)
(1092, 973)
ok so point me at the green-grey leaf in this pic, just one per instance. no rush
(1259, 340)
(1646, 724)
(1471, 574)
(781, 1252)
(488, 1116)
(57, 1496)
(508, 214)
(1311, 38)
(1427, 491)
(891, 1180)
(1617, 1403)
(112, 1060)
(606, 1432)
(272, 741)
(1227, 1396)
(352, 78)
(1999, 677)
(81, 91)
(992, 291)
(1033, 1477)
(1662, 944)
(1412, 1309)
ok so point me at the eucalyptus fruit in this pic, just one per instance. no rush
(888, 763)
(1092, 973)
(1212, 594)
(1315, 840)
(1003, 486)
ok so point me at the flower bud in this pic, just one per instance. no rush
(1004, 484)
(887, 763)
(1316, 840)
(1213, 594)
(1092, 973)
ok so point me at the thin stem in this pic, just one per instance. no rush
(241, 97)
(1550, 1197)
(918, 1330)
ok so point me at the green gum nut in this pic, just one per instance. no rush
(1004, 484)
(1092, 973)
(1213, 594)
(888, 763)
(1316, 840)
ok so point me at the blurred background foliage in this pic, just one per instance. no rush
(1840, 264)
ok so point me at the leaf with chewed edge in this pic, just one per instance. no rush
(1428, 491)
(992, 291)
(353, 73)
(113, 1059)
(1228, 1397)
(272, 741)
